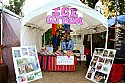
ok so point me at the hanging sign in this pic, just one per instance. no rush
(64, 16)
(100, 66)
(26, 64)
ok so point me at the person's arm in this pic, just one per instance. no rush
(62, 45)
(72, 45)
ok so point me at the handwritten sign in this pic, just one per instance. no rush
(64, 16)
(65, 60)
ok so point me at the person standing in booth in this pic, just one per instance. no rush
(56, 41)
(67, 43)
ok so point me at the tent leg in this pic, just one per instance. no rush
(44, 38)
(82, 38)
(76, 37)
(1, 24)
(91, 44)
(41, 38)
(106, 42)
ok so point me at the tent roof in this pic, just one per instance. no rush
(9, 12)
(120, 19)
(91, 18)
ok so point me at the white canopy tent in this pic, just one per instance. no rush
(34, 24)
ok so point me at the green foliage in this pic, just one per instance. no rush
(48, 37)
(120, 6)
(90, 3)
(16, 6)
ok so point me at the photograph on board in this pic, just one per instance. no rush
(100, 77)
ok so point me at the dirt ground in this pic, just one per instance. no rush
(63, 77)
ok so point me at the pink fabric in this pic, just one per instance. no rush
(10, 39)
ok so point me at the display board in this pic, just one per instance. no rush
(120, 43)
(100, 65)
(26, 64)
(65, 60)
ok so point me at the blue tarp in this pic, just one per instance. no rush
(120, 19)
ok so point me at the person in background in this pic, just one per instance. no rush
(88, 56)
(56, 41)
(67, 43)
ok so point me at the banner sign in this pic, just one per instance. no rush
(64, 16)
(26, 64)
(65, 60)
(100, 66)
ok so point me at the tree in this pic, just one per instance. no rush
(48, 37)
(111, 4)
(120, 6)
(16, 6)
(90, 3)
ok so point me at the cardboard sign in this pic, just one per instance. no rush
(100, 65)
(65, 60)
(26, 64)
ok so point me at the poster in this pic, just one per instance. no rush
(26, 64)
(100, 65)
(65, 60)
(63, 28)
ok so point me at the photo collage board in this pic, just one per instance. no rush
(26, 64)
(100, 65)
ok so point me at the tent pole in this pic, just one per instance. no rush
(91, 42)
(76, 38)
(2, 23)
(82, 37)
(40, 42)
(106, 42)
(41, 38)
(44, 38)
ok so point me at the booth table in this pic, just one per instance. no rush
(48, 63)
